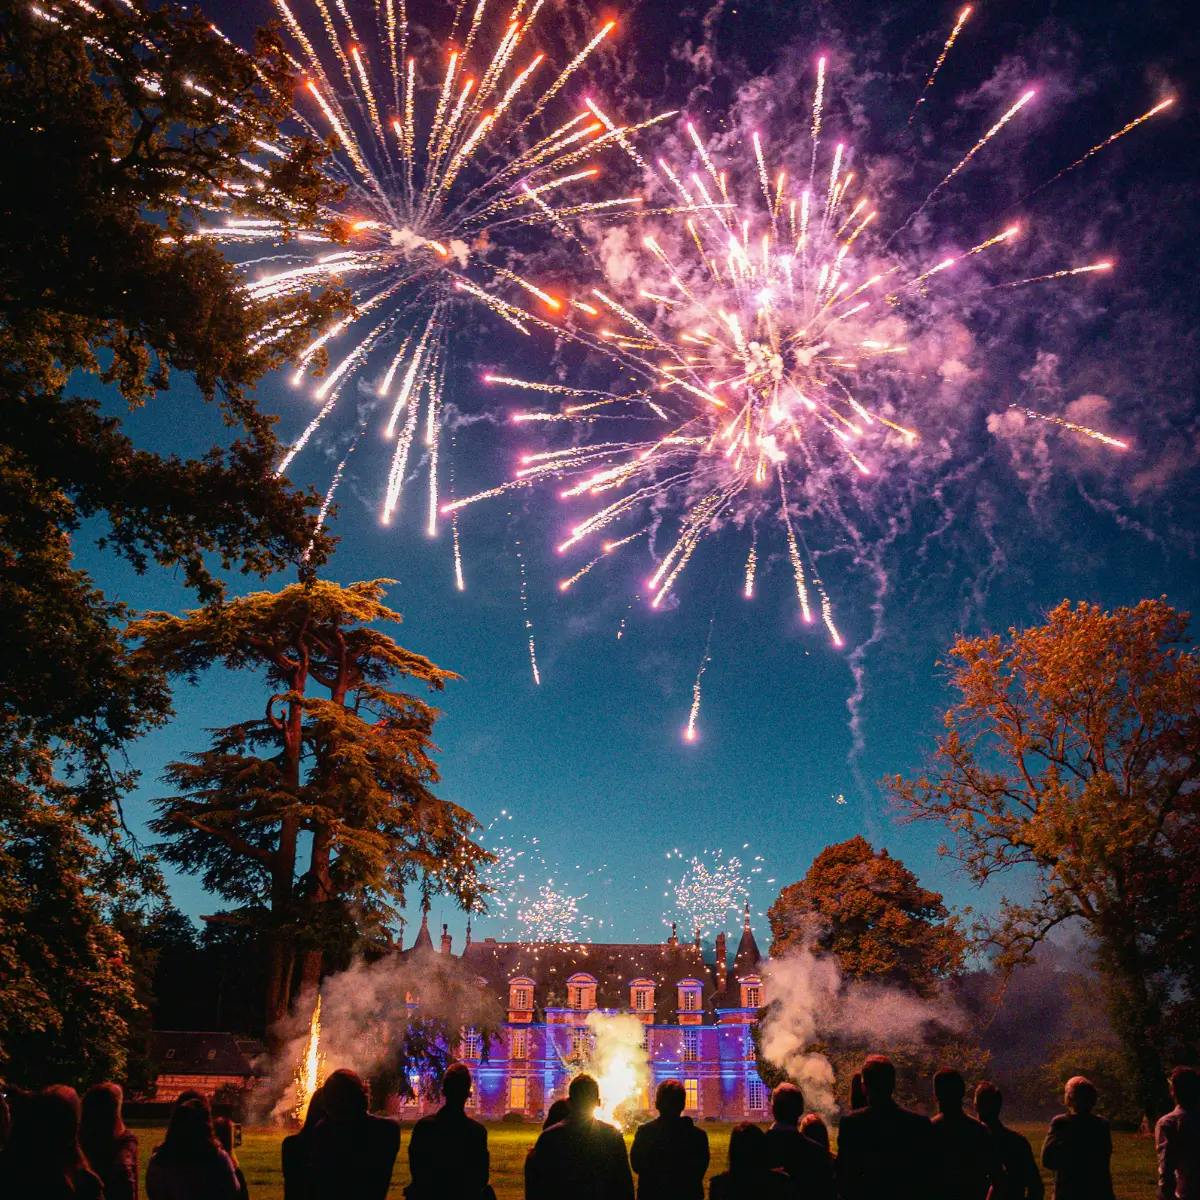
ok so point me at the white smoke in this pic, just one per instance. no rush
(809, 1002)
(368, 1011)
(619, 1059)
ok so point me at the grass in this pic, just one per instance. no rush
(1133, 1159)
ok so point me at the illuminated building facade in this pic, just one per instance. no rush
(697, 1015)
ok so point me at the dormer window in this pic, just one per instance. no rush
(641, 995)
(520, 994)
(689, 995)
(581, 992)
(751, 992)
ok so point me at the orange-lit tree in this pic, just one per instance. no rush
(1072, 752)
(315, 818)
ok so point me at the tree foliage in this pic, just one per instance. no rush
(339, 758)
(1072, 753)
(869, 911)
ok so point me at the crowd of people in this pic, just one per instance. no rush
(53, 1146)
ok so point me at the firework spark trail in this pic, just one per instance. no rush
(1063, 423)
(526, 619)
(941, 58)
(689, 734)
(430, 191)
(1065, 273)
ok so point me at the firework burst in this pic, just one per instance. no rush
(712, 887)
(440, 178)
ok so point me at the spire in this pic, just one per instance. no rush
(424, 941)
(467, 942)
(747, 958)
(445, 939)
(673, 940)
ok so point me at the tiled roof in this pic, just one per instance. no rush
(614, 966)
(175, 1052)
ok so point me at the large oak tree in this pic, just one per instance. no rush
(1073, 753)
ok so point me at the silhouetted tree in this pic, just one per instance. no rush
(351, 768)
(1073, 750)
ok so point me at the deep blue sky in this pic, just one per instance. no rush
(592, 763)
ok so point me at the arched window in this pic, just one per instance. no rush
(641, 996)
(581, 991)
(690, 991)
(520, 994)
(751, 991)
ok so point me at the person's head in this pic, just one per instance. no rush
(858, 1093)
(559, 1111)
(879, 1078)
(223, 1132)
(346, 1096)
(747, 1148)
(100, 1115)
(316, 1110)
(583, 1096)
(670, 1099)
(988, 1099)
(1080, 1094)
(1185, 1087)
(949, 1088)
(787, 1104)
(189, 1136)
(47, 1133)
(456, 1085)
(813, 1128)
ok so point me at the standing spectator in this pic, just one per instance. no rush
(558, 1111)
(580, 1158)
(815, 1129)
(353, 1152)
(884, 1150)
(190, 1164)
(112, 1151)
(43, 1158)
(749, 1177)
(448, 1151)
(669, 1154)
(1078, 1146)
(1177, 1139)
(966, 1162)
(807, 1165)
(295, 1151)
(223, 1129)
(1022, 1179)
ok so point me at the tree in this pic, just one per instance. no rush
(350, 771)
(123, 129)
(869, 911)
(1072, 752)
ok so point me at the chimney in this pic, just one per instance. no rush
(722, 961)
(673, 940)
(696, 940)
(467, 943)
(445, 939)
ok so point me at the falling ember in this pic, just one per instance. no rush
(1062, 423)
(310, 1072)
(941, 58)
(526, 618)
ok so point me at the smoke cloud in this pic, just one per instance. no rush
(619, 1060)
(370, 1011)
(809, 1003)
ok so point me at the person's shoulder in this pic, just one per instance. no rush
(914, 1120)
(383, 1128)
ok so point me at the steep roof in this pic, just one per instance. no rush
(178, 1052)
(614, 966)
(747, 957)
(424, 941)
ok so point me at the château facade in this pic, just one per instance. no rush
(697, 1015)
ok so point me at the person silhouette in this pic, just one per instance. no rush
(111, 1150)
(807, 1165)
(558, 1111)
(749, 1177)
(223, 1131)
(1021, 1179)
(448, 1151)
(814, 1128)
(42, 1157)
(353, 1152)
(1177, 1139)
(966, 1160)
(189, 1164)
(1078, 1146)
(669, 1154)
(295, 1151)
(883, 1149)
(581, 1158)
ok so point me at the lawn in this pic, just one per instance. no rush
(1133, 1159)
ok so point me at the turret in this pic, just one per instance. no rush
(445, 939)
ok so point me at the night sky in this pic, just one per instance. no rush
(998, 520)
